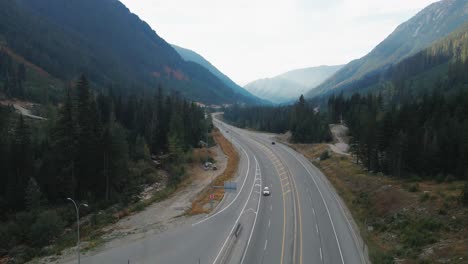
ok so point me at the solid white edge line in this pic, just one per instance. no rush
(235, 198)
(235, 223)
(323, 200)
(255, 220)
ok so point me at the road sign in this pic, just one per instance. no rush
(230, 186)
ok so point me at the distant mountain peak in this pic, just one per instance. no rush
(429, 25)
(290, 85)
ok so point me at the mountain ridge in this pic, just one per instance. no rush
(105, 41)
(290, 85)
(429, 25)
(190, 55)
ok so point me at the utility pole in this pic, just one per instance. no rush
(77, 208)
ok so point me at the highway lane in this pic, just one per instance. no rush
(202, 238)
(301, 222)
(327, 234)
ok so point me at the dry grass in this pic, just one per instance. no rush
(393, 210)
(203, 198)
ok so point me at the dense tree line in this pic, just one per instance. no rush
(86, 152)
(12, 76)
(24, 82)
(97, 149)
(427, 137)
(304, 121)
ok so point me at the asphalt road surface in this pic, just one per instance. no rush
(302, 221)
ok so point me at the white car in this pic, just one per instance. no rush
(266, 191)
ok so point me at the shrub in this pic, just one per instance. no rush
(21, 254)
(464, 195)
(413, 187)
(47, 226)
(24, 220)
(424, 197)
(381, 257)
(10, 235)
(325, 155)
(420, 232)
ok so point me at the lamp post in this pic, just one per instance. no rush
(77, 207)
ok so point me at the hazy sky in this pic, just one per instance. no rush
(252, 39)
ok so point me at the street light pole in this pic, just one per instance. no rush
(77, 208)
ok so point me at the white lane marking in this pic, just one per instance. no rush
(258, 207)
(313, 211)
(266, 243)
(350, 227)
(271, 207)
(323, 200)
(269, 223)
(237, 221)
(235, 198)
(316, 228)
(321, 257)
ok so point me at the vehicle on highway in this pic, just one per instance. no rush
(266, 191)
(273, 143)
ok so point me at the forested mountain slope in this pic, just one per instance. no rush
(103, 40)
(431, 24)
(442, 62)
(190, 55)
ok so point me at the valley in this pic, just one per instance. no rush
(233, 132)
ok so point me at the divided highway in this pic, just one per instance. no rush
(303, 221)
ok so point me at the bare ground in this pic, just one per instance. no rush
(340, 139)
(22, 107)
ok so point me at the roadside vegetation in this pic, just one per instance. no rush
(305, 122)
(401, 220)
(101, 148)
(201, 203)
(406, 178)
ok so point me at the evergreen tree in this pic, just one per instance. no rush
(21, 164)
(64, 147)
(115, 153)
(34, 198)
(88, 151)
